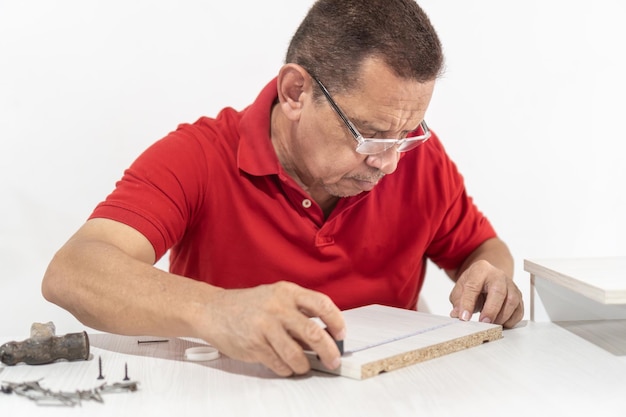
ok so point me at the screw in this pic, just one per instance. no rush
(126, 372)
(100, 367)
(139, 342)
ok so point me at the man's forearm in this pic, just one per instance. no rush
(108, 290)
(494, 251)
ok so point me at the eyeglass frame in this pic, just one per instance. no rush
(362, 141)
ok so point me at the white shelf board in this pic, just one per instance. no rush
(602, 279)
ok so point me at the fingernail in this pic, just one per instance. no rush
(485, 320)
(465, 316)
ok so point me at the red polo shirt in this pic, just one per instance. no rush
(215, 194)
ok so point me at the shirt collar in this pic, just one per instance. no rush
(256, 154)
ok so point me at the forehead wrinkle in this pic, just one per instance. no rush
(386, 110)
(396, 122)
(386, 102)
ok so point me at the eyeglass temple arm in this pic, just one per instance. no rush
(335, 107)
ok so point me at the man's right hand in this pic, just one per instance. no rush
(270, 324)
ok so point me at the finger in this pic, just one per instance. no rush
(315, 304)
(466, 293)
(289, 355)
(455, 295)
(256, 348)
(496, 306)
(318, 339)
(270, 358)
(508, 306)
(480, 302)
(516, 316)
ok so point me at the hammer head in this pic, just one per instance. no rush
(38, 351)
(7, 352)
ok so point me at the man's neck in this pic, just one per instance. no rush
(279, 135)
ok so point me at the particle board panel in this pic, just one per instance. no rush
(382, 339)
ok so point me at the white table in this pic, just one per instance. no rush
(536, 369)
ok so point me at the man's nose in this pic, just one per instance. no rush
(386, 161)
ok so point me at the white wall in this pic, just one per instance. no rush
(530, 107)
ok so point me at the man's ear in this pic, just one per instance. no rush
(294, 85)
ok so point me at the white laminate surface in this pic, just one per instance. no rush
(600, 279)
(535, 369)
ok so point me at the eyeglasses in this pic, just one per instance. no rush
(373, 146)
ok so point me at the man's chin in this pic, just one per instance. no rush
(356, 187)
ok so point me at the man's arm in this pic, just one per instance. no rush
(485, 283)
(104, 276)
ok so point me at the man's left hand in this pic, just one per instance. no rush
(486, 289)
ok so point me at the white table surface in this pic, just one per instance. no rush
(536, 369)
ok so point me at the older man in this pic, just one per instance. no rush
(328, 192)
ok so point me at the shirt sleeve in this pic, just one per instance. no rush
(159, 193)
(462, 226)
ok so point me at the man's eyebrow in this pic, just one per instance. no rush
(363, 123)
(367, 126)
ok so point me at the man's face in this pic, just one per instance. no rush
(384, 106)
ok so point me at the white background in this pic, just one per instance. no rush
(530, 107)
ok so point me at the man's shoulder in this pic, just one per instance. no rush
(209, 132)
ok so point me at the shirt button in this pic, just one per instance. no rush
(306, 203)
